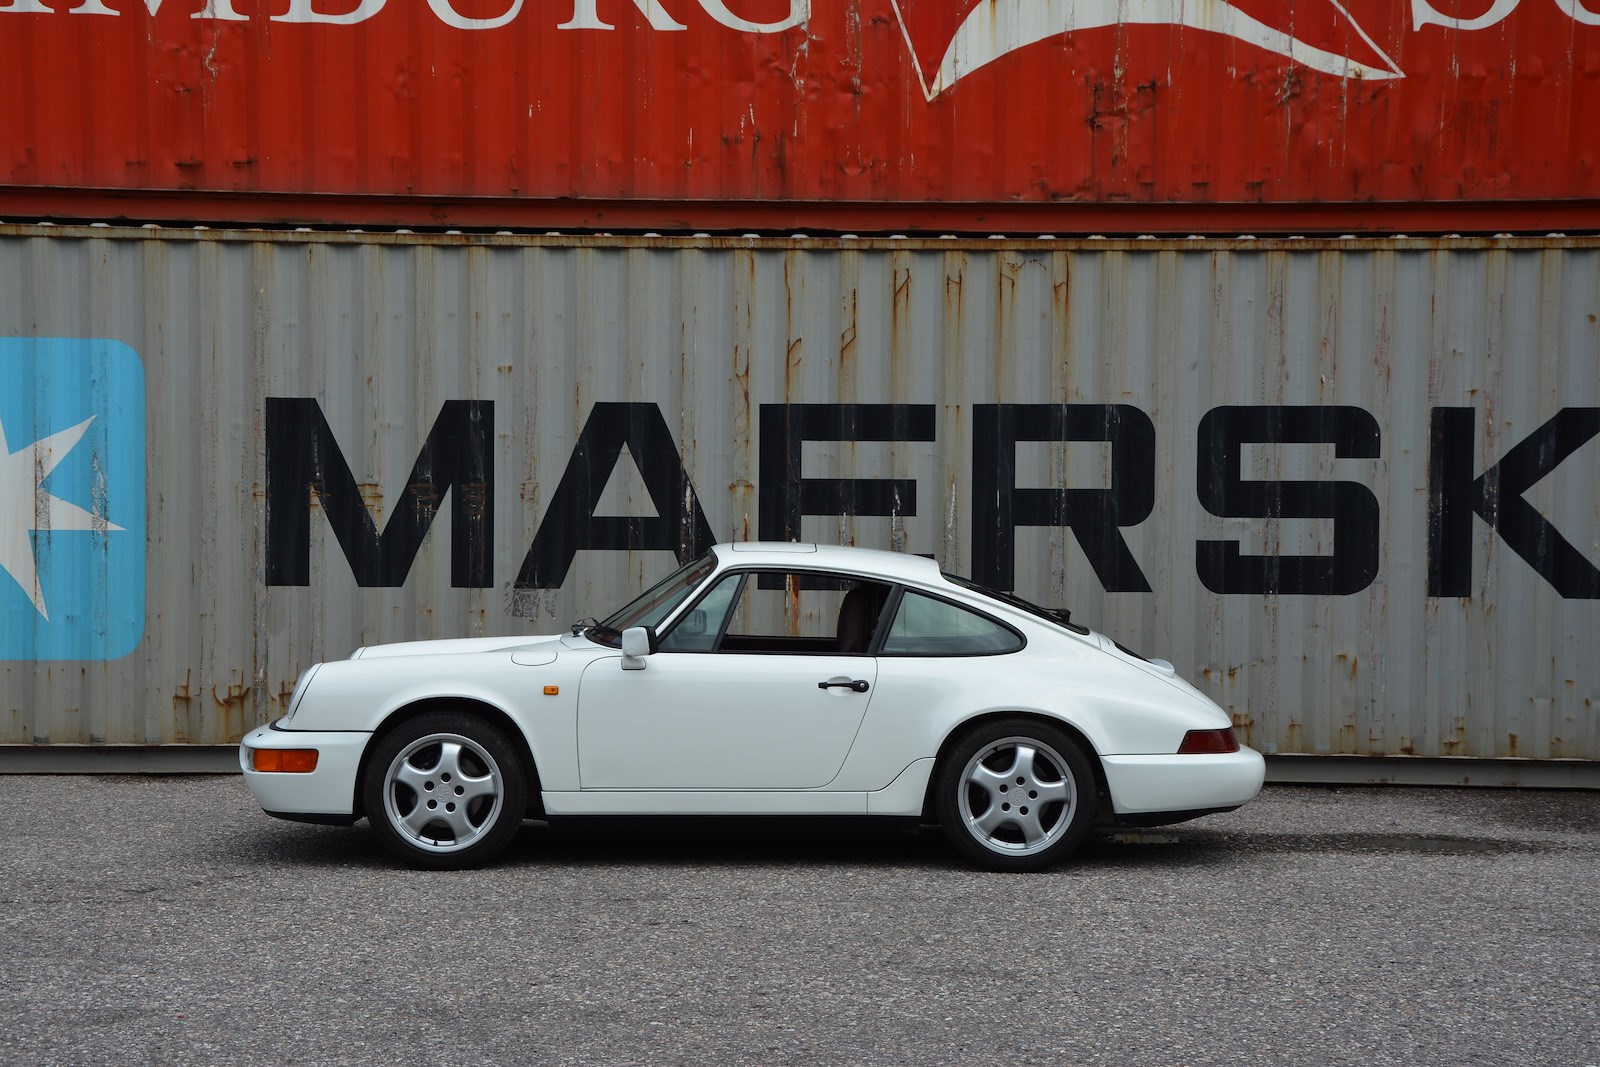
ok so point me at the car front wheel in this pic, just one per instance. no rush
(445, 790)
(1016, 795)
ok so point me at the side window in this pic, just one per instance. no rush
(701, 625)
(784, 612)
(927, 627)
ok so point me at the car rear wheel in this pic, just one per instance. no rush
(445, 790)
(1016, 795)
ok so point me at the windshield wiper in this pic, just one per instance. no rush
(598, 632)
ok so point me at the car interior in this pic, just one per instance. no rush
(770, 602)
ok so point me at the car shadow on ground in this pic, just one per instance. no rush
(714, 841)
(603, 841)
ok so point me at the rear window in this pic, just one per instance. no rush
(1059, 616)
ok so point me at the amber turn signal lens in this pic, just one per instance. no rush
(285, 760)
(552, 690)
(1209, 742)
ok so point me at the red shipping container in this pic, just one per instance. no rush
(933, 115)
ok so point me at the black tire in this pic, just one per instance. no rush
(1015, 794)
(445, 790)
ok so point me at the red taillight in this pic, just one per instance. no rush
(1209, 742)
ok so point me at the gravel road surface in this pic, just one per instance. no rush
(166, 920)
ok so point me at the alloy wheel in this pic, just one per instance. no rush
(1017, 796)
(443, 792)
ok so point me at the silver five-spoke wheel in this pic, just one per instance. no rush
(1015, 794)
(1019, 796)
(443, 792)
(445, 789)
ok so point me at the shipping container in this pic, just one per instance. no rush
(1349, 487)
(884, 116)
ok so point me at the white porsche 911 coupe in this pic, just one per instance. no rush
(760, 679)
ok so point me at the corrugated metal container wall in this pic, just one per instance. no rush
(1348, 487)
(666, 111)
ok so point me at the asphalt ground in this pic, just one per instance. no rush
(166, 920)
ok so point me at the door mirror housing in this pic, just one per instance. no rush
(637, 643)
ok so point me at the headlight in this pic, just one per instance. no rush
(300, 690)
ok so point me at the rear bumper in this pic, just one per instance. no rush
(328, 790)
(1141, 784)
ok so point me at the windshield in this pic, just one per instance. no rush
(655, 603)
(1059, 616)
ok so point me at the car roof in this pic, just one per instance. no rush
(891, 566)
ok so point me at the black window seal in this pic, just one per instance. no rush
(891, 607)
(727, 620)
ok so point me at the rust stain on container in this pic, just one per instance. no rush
(1295, 737)
(236, 694)
(1242, 724)
(181, 695)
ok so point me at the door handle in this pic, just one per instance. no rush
(857, 686)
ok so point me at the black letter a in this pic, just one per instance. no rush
(679, 526)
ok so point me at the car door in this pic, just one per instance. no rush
(749, 691)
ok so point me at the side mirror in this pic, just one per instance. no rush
(637, 643)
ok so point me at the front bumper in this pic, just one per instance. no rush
(1183, 783)
(328, 790)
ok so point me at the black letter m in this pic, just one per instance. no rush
(303, 458)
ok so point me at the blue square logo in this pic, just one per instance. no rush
(72, 506)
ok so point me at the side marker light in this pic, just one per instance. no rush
(552, 690)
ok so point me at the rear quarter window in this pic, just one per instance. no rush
(925, 626)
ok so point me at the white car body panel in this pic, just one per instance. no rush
(694, 720)
(705, 802)
(361, 694)
(735, 732)
(329, 790)
(1141, 784)
(461, 646)
(904, 795)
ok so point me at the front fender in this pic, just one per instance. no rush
(361, 695)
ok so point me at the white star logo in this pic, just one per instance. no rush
(21, 497)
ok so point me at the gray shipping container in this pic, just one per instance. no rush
(1349, 487)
